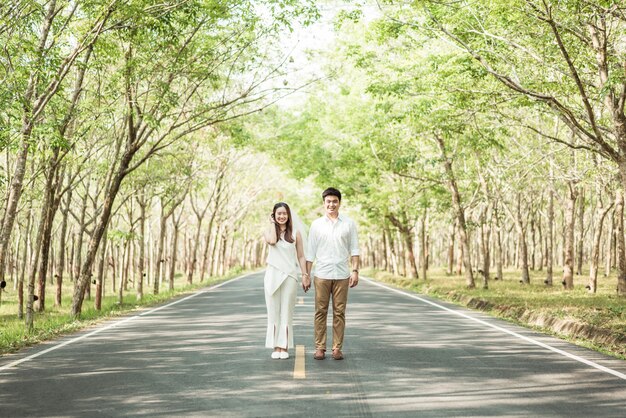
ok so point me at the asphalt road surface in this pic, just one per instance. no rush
(406, 355)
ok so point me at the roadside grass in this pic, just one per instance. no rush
(56, 321)
(511, 300)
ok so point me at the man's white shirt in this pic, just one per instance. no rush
(331, 244)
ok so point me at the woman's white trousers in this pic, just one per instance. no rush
(280, 307)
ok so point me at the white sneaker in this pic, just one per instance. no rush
(276, 355)
(284, 355)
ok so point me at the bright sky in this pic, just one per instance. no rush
(305, 42)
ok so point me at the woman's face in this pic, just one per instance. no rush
(281, 216)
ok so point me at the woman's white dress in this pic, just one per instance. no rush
(280, 293)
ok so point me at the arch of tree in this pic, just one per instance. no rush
(474, 137)
(116, 114)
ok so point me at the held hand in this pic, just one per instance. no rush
(354, 279)
(272, 220)
(306, 282)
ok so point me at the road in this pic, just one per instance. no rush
(406, 355)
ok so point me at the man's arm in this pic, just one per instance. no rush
(354, 276)
(310, 252)
(354, 253)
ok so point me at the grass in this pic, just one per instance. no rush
(510, 300)
(56, 321)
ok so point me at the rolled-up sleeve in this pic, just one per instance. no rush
(311, 248)
(354, 240)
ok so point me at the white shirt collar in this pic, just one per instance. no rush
(328, 218)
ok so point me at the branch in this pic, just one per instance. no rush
(566, 114)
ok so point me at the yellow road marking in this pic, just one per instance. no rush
(298, 368)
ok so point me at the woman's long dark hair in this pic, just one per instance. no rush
(289, 230)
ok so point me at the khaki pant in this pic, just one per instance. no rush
(324, 289)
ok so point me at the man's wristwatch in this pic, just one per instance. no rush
(355, 271)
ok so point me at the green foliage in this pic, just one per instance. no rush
(118, 236)
(344, 16)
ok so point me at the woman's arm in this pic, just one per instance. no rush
(270, 233)
(300, 253)
(306, 280)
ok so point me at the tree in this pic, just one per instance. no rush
(574, 44)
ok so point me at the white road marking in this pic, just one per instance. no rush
(513, 333)
(114, 324)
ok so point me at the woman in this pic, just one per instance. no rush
(286, 256)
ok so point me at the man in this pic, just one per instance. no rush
(333, 245)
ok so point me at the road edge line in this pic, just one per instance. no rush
(115, 324)
(506, 331)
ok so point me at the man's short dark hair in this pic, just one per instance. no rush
(331, 191)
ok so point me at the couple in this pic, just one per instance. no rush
(333, 245)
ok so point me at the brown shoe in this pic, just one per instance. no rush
(337, 354)
(319, 354)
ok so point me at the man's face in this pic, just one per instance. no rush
(331, 204)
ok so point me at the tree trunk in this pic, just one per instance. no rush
(25, 263)
(392, 251)
(581, 233)
(217, 192)
(207, 246)
(410, 253)
(608, 250)
(523, 248)
(400, 253)
(372, 253)
(160, 261)
(17, 180)
(45, 225)
(15, 192)
(423, 248)
(62, 240)
(126, 258)
(141, 200)
(570, 221)
(81, 234)
(532, 241)
(119, 260)
(550, 241)
(621, 248)
(614, 243)
(460, 214)
(30, 302)
(450, 269)
(100, 278)
(485, 237)
(223, 247)
(461, 257)
(110, 194)
(385, 255)
(174, 249)
(215, 245)
(595, 252)
(499, 275)
(194, 252)
(406, 233)
(52, 200)
(541, 245)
